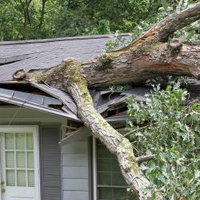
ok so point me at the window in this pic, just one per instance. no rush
(110, 182)
(19, 159)
(19, 156)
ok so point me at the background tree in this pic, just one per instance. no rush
(100, 17)
(27, 19)
(31, 19)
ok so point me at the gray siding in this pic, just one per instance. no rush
(50, 163)
(75, 185)
(50, 155)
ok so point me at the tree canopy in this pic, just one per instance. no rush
(31, 19)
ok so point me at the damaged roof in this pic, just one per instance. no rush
(47, 53)
(43, 54)
(45, 98)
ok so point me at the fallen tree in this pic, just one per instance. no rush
(152, 55)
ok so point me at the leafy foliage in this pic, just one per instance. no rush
(169, 80)
(30, 19)
(172, 133)
(159, 10)
(26, 19)
(118, 41)
(89, 17)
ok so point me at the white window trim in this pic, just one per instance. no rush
(35, 130)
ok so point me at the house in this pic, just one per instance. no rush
(40, 158)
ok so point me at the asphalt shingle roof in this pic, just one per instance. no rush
(40, 54)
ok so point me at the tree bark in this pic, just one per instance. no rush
(145, 58)
(68, 77)
(26, 12)
(42, 14)
(144, 61)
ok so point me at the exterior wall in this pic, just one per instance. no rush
(75, 182)
(50, 128)
(11, 115)
(74, 159)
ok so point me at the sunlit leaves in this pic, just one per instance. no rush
(172, 134)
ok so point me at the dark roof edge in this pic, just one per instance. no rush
(60, 39)
(38, 108)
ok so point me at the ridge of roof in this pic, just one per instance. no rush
(89, 37)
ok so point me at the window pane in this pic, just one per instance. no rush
(31, 182)
(110, 182)
(115, 194)
(20, 157)
(120, 194)
(118, 179)
(30, 160)
(21, 178)
(9, 141)
(29, 140)
(104, 194)
(10, 161)
(10, 177)
(104, 178)
(115, 165)
(104, 164)
(20, 141)
(102, 152)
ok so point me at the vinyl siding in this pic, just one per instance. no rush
(50, 163)
(63, 170)
(75, 185)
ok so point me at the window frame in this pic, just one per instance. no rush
(94, 169)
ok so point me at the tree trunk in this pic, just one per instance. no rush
(42, 14)
(72, 81)
(145, 58)
(26, 12)
(144, 61)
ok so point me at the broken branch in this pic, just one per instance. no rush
(136, 130)
(145, 158)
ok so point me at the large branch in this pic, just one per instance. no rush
(68, 77)
(163, 29)
(176, 22)
(146, 58)
(145, 61)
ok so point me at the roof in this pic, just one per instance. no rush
(40, 54)
(48, 99)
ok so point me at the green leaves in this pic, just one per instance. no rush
(85, 17)
(21, 19)
(173, 135)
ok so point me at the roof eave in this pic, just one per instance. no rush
(40, 108)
